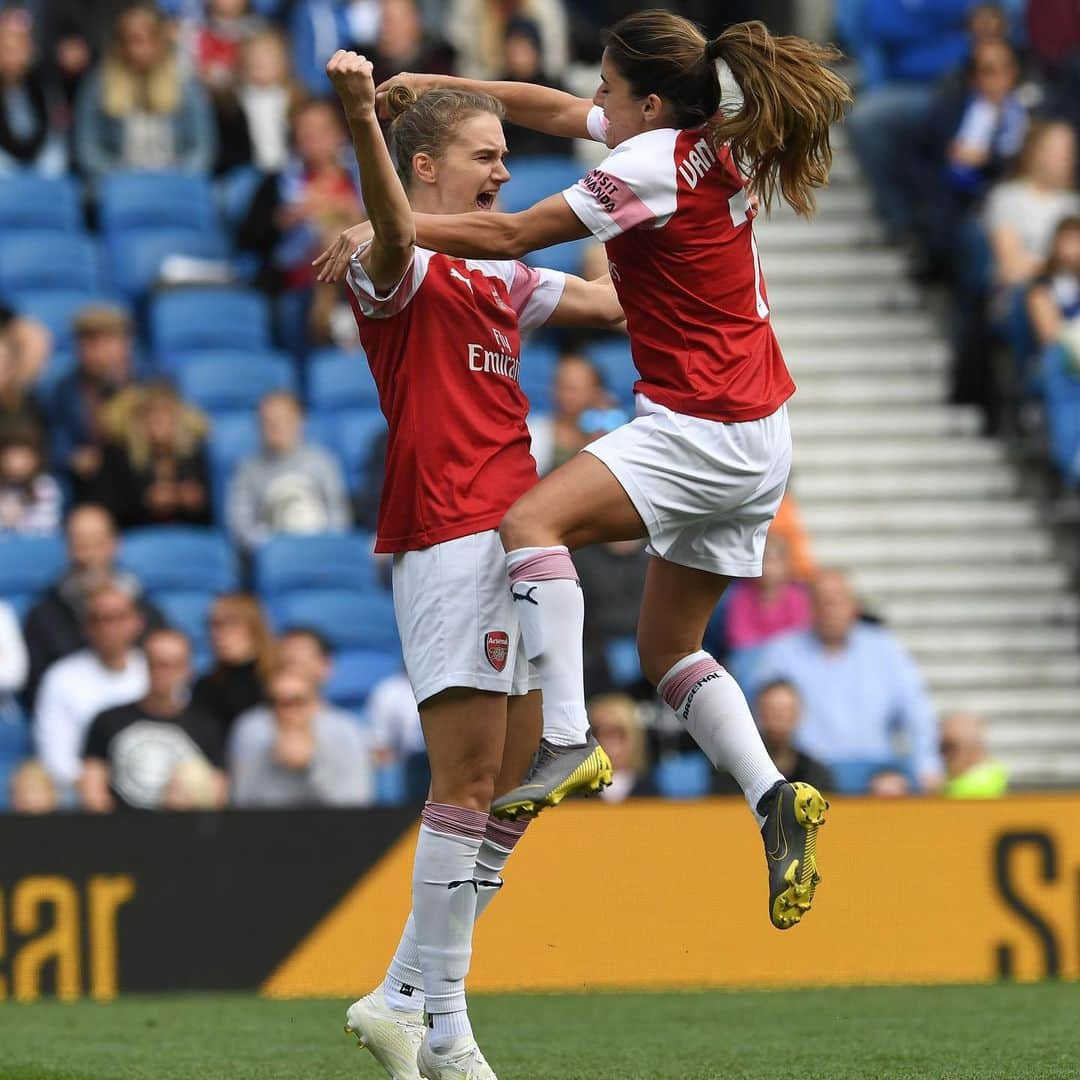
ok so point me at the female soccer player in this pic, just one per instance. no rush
(702, 468)
(442, 336)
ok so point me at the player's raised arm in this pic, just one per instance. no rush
(391, 217)
(540, 108)
(484, 235)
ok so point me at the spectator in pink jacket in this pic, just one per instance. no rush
(760, 608)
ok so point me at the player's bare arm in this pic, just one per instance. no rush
(539, 108)
(588, 303)
(391, 217)
(484, 235)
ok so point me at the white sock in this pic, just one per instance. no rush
(711, 705)
(403, 986)
(551, 609)
(444, 910)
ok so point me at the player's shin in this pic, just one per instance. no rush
(404, 983)
(444, 909)
(551, 610)
(713, 708)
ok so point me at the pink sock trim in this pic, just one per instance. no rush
(456, 820)
(505, 833)
(673, 688)
(554, 564)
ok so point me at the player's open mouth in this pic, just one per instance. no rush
(486, 200)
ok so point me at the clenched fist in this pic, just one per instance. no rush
(351, 75)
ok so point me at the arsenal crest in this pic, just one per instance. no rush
(497, 646)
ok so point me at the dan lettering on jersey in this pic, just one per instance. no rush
(697, 163)
(491, 360)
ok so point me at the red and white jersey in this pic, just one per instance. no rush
(444, 346)
(678, 229)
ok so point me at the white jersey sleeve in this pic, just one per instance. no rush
(376, 304)
(636, 185)
(596, 123)
(534, 293)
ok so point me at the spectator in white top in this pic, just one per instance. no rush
(299, 751)
(288, 486)
(112, 671)
(14, 662)
(1022, 215)
(394, 720)
(396, 736)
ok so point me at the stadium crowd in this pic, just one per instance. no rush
(966, 125)
(190, 443)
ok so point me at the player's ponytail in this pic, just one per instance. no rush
(771, 98)
(790, 97)
(426, 123)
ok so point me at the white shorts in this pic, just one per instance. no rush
(707, 491)
(456, 618)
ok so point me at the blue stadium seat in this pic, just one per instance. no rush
(57, 309)
(180, 558)
(36, 202)
(288, 563)
(349, 619)
(683, 776)
(137, 200)
(567, 257)
(173, 363)
(240, 384)
(391, 784)
(183, 320)
(535, 178)
(538, 363)
(616, 365)
(48, 259)
(351, 435)
(28, 566)
(358, 431)
(623, 665)
(233, 437)
(338, 379)
(236, 190)
(188, 611)
(356, 672)
(136, 255)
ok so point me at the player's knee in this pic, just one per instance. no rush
(651, 659)
(518, 527)
(472, 787)
(657, 658)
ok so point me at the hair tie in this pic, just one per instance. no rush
(731, 95)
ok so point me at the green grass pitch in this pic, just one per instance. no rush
(942, 1032)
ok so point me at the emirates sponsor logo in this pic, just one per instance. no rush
(497, 648)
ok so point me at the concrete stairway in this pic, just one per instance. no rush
(896, 486)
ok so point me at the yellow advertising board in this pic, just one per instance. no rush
(661, 894)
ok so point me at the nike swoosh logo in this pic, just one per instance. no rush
(781, 849)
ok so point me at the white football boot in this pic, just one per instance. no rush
(462, 1062)
(392, 1035)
